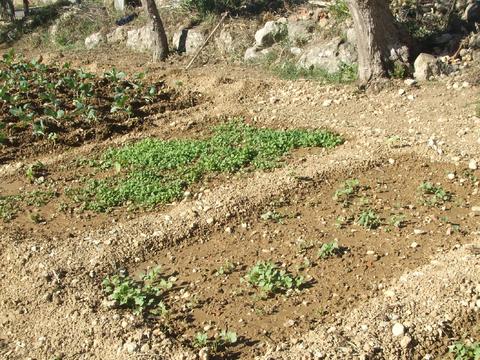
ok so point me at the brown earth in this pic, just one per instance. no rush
(51, 296)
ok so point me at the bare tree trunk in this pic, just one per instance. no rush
(26, 8)
(380, 41)
(160, 49)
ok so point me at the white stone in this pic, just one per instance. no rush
(140, 39)
(414, 245)
(406, 340)
(94, 40)
(426, 66)
(472, 164)
(451, 176)
(398, 330)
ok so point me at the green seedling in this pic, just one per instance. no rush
(226, 269)
(463, 351)
(270, 279)
(36, 171)
(434, 195)
(142, 296)
(221, 340)
(349, 189)
(398, 221)
(273, 216)
(328, 250)
(368, 219)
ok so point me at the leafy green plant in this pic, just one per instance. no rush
(270, 279)
(463, 351)
(434, 195)
(142, 296)
(328, 250)
(368, 219)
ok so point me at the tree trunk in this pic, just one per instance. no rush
(26, 8)
(160, 48)
(380, 42)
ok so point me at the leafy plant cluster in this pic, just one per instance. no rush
(42, 99)
(270, 279)
(154, 171)
(463, 351)
(142, 296)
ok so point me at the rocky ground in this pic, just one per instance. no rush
(405, 293)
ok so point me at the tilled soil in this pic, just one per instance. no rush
(51, 295)
(210, 267)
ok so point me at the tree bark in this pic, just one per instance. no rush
(380, 42)
(26, 8)
(160, 48)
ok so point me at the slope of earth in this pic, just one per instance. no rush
(52, 300)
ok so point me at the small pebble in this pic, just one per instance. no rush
(398, 330)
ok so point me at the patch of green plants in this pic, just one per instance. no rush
(399, 71)
(289, 70)
(40, 99)
(464, 351)
(369, 219)
(143, 296)
(219, 342)
(434, 195)
(339, 10)
(267, 277)
(10, 205)
(154, 171)
(328, 250)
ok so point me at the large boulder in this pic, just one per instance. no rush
(426, 66)
(117, 36)
(94, 40)
(329, 55)
(256, 53)
(300, 31)
(195, 40)
(140, 39)
(188, 40)
(272, 32)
